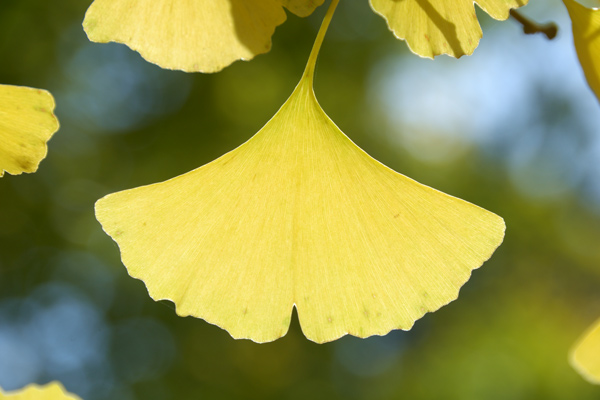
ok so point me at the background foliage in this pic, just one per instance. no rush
(512, 128)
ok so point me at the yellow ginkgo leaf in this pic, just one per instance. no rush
(586, 35)
(434, 27)
(300, 216)
(51, 391)
(26, 125)
(585, 355)
(191, 35)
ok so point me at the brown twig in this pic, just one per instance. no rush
(531, 27)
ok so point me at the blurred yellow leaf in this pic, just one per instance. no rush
(586, 35)
(26, 124)
(300, 216)
(51, 391)
(434, 27)
(191, 35)
(302, 8)
(585, 355)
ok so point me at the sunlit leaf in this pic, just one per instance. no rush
(51, 391)
(299, 215)
(585, 356)
(26, 124)
(191, 35)
(434, 27)
(586, 35)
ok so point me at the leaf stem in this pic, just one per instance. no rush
(309, 72)
(531, 27)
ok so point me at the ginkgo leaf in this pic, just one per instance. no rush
(51, 391)
(434, 27)
(585, 355)
(586, 35)
(299, 216)
(191, 35)
(26, 124)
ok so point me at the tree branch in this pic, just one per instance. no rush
(531, 27)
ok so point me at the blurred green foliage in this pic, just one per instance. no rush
(68, 310)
